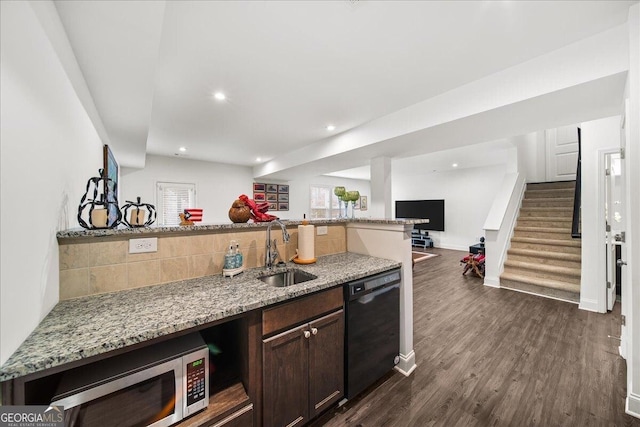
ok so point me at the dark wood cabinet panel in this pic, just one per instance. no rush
(293, 313)
(326, 362)
(286, 380)
(303, 368)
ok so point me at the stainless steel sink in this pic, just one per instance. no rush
(287, 278)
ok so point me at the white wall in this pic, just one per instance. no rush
(49, 150)
(299, 194)
(217, 184)
(633, 217)
(596, 135)
(531, 156)
(468, 195)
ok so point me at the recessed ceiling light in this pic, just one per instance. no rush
(183, 149)
(258, 159)
(455, 165)
(220, 96)
(331, 127)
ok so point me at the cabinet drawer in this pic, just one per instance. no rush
(240, 418)
(302, 310)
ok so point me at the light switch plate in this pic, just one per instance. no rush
(139, 246)
(321, 230)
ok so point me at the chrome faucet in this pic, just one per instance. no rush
(271, 252)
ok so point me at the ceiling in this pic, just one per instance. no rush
(290, 68)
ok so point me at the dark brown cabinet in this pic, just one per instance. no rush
(326, 362)
(303, 369)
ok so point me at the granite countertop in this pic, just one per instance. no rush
(75, 233)
(83, 327)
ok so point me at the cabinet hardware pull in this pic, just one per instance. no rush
(314, 331)
(307, 334)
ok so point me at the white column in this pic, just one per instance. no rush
(633, 216)
(380, 203)
(391, 241)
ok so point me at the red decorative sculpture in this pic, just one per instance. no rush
(258, 210)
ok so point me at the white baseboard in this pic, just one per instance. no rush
(588, 305)
(493, 282)
(632, 406)
(407, 364)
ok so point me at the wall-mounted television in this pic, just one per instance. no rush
(433, 210)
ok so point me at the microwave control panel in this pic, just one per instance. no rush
(196, 381)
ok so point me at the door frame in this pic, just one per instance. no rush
(611, 244)
(601, 265)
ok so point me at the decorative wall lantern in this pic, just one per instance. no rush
(139, 211)
(99, 205)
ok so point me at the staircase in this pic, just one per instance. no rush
(544, 259)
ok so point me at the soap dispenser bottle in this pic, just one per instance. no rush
(230, 258)
(238, 256)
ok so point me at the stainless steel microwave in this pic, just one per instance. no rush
(155, 386)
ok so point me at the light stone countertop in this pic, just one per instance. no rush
(83, 327)
(77, 233)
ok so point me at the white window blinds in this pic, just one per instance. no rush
(322, 202)
(173, 198)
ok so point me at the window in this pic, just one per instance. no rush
(173, 198)
(322, 202)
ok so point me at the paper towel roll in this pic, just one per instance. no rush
(306, 245)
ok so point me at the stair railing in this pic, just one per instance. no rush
(577, 195)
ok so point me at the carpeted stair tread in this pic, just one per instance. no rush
(543, 291)
(546, 247)
(543, 258)
(545, 222)
(544, 229)
(548, 242)
(546, 260)
(532, 203)
(527, 212)
(546, 218)
(556, 209)
(553, 269)
(554, 255)
(545, 283)
(552, 193)
(543, 234)
(548, 185)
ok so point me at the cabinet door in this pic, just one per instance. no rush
(326, 362)
(285, 378)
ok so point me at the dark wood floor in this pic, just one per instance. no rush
(494, 357)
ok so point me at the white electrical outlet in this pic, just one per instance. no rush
(321, 230)
(139, 246)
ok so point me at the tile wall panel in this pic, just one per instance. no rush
(100, 267)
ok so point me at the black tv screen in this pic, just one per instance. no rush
(433, 210)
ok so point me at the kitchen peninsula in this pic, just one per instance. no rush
(84, 329)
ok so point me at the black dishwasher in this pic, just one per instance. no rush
(372, 336)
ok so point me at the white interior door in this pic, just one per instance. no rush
(562, 153)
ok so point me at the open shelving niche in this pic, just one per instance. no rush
(229, 367)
